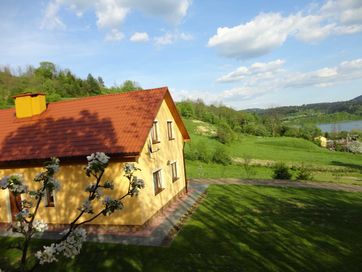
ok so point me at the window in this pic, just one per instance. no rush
(157, 182)
(174, 171)
(154, 133)
(49, 198)
(170, 130)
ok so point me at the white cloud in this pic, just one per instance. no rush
(114, 35)
(111, 14)
(255, 69)
(255, 38)
(268, 31)
(261, 78)
(139, 37)
(172, 11)
(170, 38)
(51, 19)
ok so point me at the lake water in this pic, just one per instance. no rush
(342, 126)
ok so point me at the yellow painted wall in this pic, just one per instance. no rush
(137, 209)
(168, 150)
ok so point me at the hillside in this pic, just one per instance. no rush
(261, 153)
(318, 112)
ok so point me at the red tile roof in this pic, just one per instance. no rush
(115, 124)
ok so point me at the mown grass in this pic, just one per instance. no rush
(326, 165)
(244, 228)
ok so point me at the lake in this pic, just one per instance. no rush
(342, 126)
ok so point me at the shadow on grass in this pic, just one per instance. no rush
(248, 228)
(349, 165)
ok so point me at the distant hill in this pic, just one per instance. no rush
(353, 106)
(358, 99)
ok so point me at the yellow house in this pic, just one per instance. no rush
(143, 127)
(322, 140)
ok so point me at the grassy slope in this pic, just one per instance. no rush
(286, 149)
(251, 228)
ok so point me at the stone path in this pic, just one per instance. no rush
(281, 183)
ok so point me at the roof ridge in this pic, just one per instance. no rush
(111, 94)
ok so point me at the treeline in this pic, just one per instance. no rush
(319, 112)
(57, 83)
(231, 122)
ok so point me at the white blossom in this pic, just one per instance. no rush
(47, 255)
(70, 247)
(39, 226)
(97, 162)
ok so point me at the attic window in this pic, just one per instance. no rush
(154, 133)
(170, 130)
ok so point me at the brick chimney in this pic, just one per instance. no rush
(29, 104)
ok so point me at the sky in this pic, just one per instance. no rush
(244, 54)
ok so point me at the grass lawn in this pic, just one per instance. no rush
(245, 228)
(331, 166)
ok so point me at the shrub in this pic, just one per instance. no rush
(304, 173)
(281, 171)
(221, 156)
(224, 133)
(198, 151)
(249, 170)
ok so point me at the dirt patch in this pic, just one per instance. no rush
(283, 183)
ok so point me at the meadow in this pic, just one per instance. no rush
(261, 153)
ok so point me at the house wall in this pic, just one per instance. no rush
(137, 210)
(166, 150)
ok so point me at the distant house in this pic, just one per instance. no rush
(141, 126)
(322, 141)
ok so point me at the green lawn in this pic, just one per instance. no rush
(268, 150)
(245, 228)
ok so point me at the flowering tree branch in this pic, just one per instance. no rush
(70, 244)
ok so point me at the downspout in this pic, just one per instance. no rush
(183, 156)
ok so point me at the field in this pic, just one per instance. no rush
(237, 228)
(265, 151)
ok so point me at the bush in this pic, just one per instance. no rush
(221, 156)
(303, 173)
(198, 151)
(281, 171)
(224, 133)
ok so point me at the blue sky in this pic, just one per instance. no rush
(244, 54)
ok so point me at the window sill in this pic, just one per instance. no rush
(175, 179)
(170, 139)
(50, 205)
(159, 191)
(156, 142)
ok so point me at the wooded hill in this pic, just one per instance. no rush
(318, 112)
(56, 83)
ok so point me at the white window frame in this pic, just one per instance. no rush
(161, 186)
